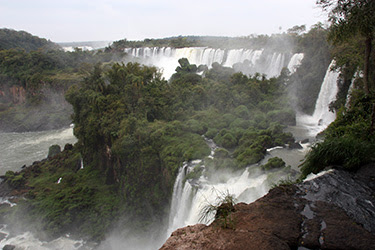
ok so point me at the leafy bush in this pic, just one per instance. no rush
(274, 163)
(211, 133)
(226, 139)
(242, 111)
(16, 180)
(347, 151)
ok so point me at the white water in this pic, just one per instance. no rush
(322, 117)
(189, 198)
(259, 61)
(295, 62)
(27, 241)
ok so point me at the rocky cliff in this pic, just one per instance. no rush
(333, 211)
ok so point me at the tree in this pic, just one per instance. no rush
(351, 18)
(297, 29)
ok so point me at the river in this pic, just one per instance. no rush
(19, 149)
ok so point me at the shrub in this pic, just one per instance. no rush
(242, 111)
(16, 180)
(273, 163)
(53, 150)
(211, 133)
(348, 152)
(226, 139)
(195, 126)
(221, 153)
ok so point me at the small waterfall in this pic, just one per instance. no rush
(327, 94)
(166, 58)
(322, 117)
(295, 62)
(349, 95)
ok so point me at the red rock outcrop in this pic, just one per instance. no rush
(18, 94)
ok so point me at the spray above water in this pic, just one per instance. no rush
(191, 196)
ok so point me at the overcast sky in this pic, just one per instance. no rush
(98, 20)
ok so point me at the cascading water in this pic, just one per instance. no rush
(189, 196)
(259, 61)
(322, 117)
(295, 62)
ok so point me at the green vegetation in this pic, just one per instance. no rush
(349, 140)
(10, 39)
(354, 19)
(274, 163)
(54, 150)
(80, 203)
(276, 41)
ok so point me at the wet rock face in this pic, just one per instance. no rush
(330, 212)
(351, 192)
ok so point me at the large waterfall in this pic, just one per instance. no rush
(261, 61)
(189, 197)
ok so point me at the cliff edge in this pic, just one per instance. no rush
(332, 211)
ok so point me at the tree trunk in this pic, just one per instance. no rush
(372, 126)
(366, 67)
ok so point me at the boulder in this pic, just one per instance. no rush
(9, 247)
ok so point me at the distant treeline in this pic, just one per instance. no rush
(10, 39)
(246, 42)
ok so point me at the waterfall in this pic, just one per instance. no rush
(322, 117)
(189, 197)
(260, 61)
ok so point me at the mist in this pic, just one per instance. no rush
(266, 55)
